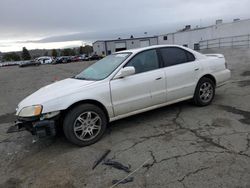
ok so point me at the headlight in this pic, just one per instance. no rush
(30, 111)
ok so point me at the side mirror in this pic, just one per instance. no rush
(126, 71)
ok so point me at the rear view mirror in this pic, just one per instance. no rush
(126, 71)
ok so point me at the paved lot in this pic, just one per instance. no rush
(185, 146)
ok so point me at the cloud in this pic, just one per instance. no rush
(88, 20)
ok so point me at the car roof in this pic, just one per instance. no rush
(137, 50)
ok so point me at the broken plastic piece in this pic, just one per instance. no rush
(127, 180)
(117, 165)
(101, 158)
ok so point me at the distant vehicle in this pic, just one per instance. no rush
(80, 58)
(45, 60)
(121, 85)
(62, 59)
(11, 63)
(95, 57)
(76, 58)
(85, 58)
(29, 63)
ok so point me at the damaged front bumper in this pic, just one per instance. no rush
(38, 126)
(41, 128)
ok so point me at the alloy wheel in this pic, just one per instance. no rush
(87, 126)
(206, 92)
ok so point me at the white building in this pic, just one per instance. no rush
(106, 47)
(193, 38)
(236, 33)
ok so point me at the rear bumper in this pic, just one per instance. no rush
(222, 77)
(41, 128)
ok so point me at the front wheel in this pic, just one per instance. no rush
(204, 92)
(85, 124)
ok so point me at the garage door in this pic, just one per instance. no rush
(144, 43)
(120, 46)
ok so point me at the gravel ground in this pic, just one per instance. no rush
(184, 145)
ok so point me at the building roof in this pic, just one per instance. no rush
(113, 40)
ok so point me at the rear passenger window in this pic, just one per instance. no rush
(190, 57)
(144, 61)
(175, 56)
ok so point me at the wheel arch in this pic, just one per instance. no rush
(88, 101)
(210, 76)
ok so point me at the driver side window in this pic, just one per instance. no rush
(144, 61)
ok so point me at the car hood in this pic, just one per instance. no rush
(54, 91)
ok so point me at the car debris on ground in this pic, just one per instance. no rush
(127, 180)
(100, 159)
(117, 165)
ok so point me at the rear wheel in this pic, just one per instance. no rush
(85, 124)
(204, 92)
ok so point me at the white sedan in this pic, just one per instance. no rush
(45, 60)
(120, 85)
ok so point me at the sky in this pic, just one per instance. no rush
(47, 24)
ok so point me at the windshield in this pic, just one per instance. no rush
(103, 68)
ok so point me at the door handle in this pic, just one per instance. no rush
(158, 78)
(196, 69)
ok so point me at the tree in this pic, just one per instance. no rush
(25, 54)
(46, 53)
(87, 49)
(81, 49)
(68, 52)
(54, 53)
(11, 57)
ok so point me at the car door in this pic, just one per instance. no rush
(181, 72)
(143, 89)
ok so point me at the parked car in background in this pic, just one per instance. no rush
(82, 57)
(11, 63)
(77, 58)
(45, 60)
(156, 75)
(86, 58)
(30, 63)
(95, 57)
(62, 59)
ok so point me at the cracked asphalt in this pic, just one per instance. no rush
(184, 145)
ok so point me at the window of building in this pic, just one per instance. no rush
(103, 52)
(119, 46)
(165, 37)
(144, 61)
(109, 52)
(196, 46)
(174, 56)
(185, 45)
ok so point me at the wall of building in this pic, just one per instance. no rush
(190, 38)
(230, 29)
(109, 47)
(194, 36)
(99, 48)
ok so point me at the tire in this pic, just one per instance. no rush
(82, 121)
(204, 92)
